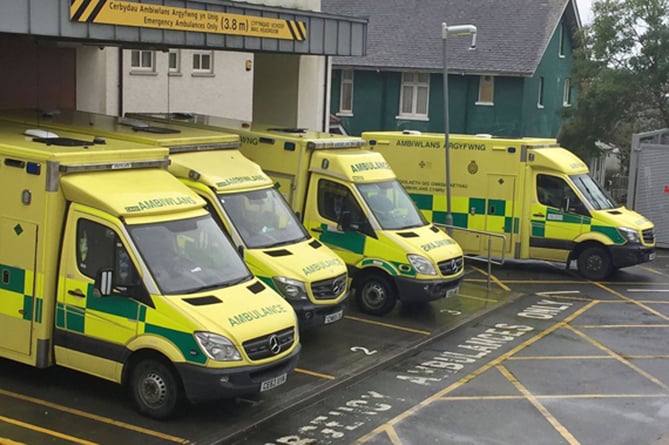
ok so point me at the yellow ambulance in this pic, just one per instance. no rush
(242, 198)
(534, 192)
(113, 267)
(350, 200)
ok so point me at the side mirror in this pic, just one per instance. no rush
(104, 280)
(566, 204)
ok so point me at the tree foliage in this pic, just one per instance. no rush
(621, 66)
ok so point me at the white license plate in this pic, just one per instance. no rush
(331, 318)
(273, 383)
(452, 292)
(651, 257)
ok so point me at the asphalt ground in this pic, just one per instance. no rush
(601, 357)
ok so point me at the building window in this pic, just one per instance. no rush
(141, 60)
(414, 95)
(203, 62)
(346, 92)
(486, 90)
(566, 97)
(540, 94)
(562, 41)
(174, 61)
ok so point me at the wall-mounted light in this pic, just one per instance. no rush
(248, 64)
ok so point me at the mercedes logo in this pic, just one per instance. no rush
(273, 344)
(337, 286)
(454, 266)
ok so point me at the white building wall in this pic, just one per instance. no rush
(290, 89)
(227, 92)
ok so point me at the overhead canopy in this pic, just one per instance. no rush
(203, 24)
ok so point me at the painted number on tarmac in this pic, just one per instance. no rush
(363, 350)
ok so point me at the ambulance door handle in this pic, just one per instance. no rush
(317, 229)
(539, 215)
(76, 293)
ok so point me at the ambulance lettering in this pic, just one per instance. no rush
(161, 202)
(436, 244)
(321, 266)
(366, 166)
(239, 180)
(248, 140)
(256, 314)
(418, 144)
(466, 146)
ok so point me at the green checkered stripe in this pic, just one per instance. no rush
(435, 211)
(16, 302)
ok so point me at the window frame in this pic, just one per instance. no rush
(140, 67)
(540, 93)
(561, 43)
(344, 94)
(566, 94)
(414, 85)
(199, 54)
(177, 57)
(487, 82)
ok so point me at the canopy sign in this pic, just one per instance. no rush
(143, 15)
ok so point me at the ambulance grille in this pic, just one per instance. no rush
(648, 236)
(452, 266)
(330, 288)
(269, 345)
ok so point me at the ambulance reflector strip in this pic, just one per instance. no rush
(329, 143)
(162, 163)
(204, 147)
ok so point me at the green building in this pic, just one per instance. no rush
(513, 83)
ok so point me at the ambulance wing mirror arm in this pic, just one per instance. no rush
(104, 287)
(103, 282)
(345, 220)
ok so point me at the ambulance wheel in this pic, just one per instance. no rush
(155, 388)
(594, 263)
(375, 294)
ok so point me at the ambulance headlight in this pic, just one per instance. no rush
(290, 289)
(217, 347)
(422, 264)
(630, 235)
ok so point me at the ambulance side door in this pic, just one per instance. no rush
(334, 217)
(554, 227)
(92, 330)
(17, 274)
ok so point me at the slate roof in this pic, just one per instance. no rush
(512, 35)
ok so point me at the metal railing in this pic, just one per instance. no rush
(488, 258)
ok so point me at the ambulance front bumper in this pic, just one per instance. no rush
(204, 384)
(311, 315)
(631, 254)
(418, 291)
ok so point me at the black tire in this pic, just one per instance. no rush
(594, 263)
(155, 388)
(375, 294)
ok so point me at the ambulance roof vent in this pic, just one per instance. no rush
(484, 135)
(37, 133)
(415, 132)
(140, 125)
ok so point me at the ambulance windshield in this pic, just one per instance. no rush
(189, 255)
(391, 205)
(263, 218)
(593, 193)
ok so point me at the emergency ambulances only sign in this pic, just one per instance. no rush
(143, 15)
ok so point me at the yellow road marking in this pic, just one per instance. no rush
(613, 326)
(388, 325)
(619, 357)
(95, 417)
(471, 297)
(559, 396)
(493, 278)
(414, 409)
(630, 300)
(562, 357)
(654, 271)
(45, 431)
(564, 432)
(315, 374)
